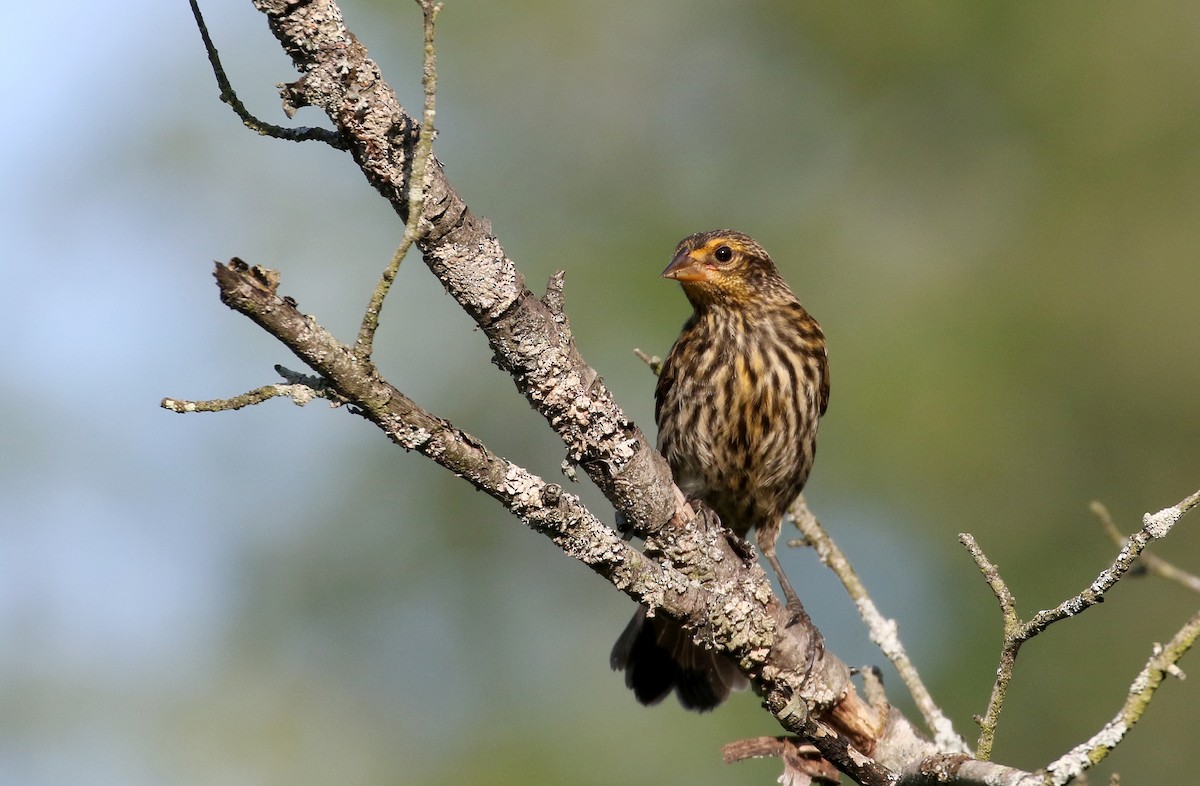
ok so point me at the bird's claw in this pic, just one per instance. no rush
(816, 642)
(742, 547)
(797, 614)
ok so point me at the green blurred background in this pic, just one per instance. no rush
(991, 207)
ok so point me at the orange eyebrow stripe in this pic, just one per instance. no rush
(712, 245)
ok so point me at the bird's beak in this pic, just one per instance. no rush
(685, 267)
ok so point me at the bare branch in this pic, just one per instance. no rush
(300, 388)
(416, 187)
(229, 96)
(1154, 527)
(545, 507)
(884, 632)
(299, 394)
(1008, 652)
(653, 361)
(800, 760)
(1150, 561)
(958, 769)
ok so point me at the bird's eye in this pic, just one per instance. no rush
(723, 254)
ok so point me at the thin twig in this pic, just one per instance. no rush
(229, 96)
(884, 632)
(653, 361)
(1016, 632)
(802, 762)
(1151, 561)
(300, 388)
(1008, 652)
(299, 394)
(416, 184)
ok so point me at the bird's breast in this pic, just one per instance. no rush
(737, 415)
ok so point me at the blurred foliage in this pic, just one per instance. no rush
(991, 207)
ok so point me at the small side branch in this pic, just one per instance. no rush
(1155, 526)
(1008, 652)
(229, 96)
(300, 389)
(802, 762)
(653, 361)
(416, 184)
(1152, 562)
(300, 394)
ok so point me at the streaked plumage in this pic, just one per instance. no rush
(737, 405)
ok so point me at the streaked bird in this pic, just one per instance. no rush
(737, 406)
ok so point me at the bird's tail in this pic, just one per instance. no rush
(658, 656)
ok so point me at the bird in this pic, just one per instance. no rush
(737, 404)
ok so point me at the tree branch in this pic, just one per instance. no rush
(230, 97)
(1152, 562)
(884, 632)
(1162, 662)
(416, 188)
(545, 507)
(732, 609)
(531, 341)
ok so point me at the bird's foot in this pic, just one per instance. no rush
(742, 547)
(815, 649)
(816, 642)
(796, 613)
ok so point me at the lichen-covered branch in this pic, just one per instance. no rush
(1152, 562)
(545, 507)
(530, 340)
(299, 394)
(732, 609)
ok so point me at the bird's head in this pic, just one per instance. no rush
(723, 267)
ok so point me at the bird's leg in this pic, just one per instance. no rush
(766, 537)
(795, 607)
(741, 547)
(796, 611)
